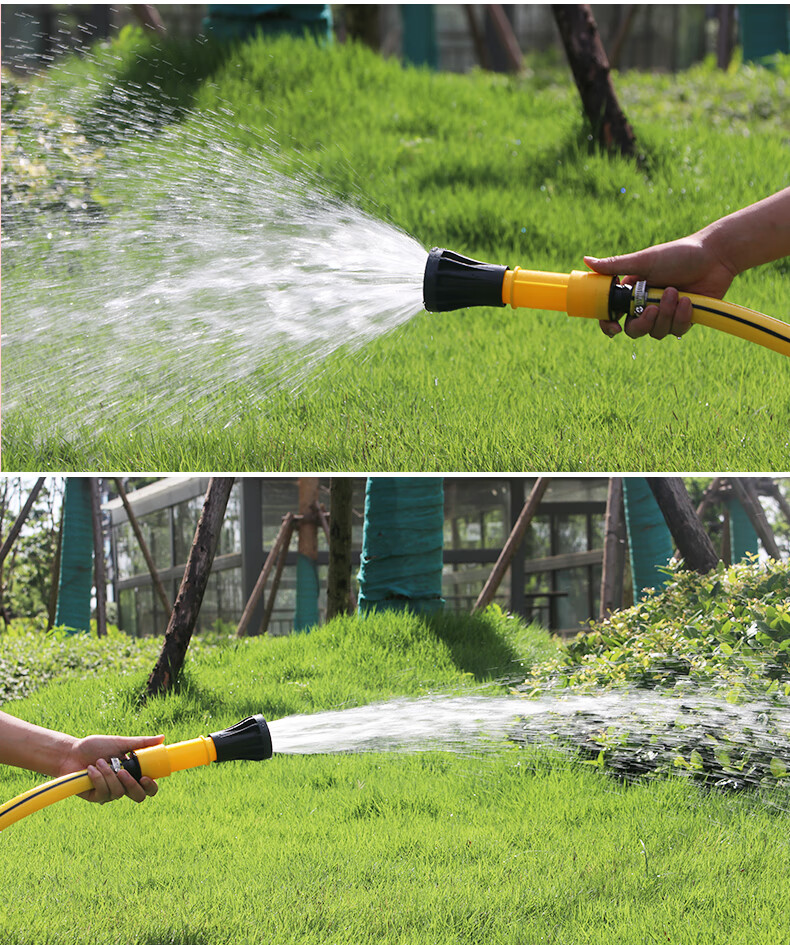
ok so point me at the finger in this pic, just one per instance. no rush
(131, 786)
(150, 787)
(610, 328)
(101, 792)
(683, 315)
(666, 314)
(637, 326)
(114, 786)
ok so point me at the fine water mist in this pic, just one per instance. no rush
(209, 281)
(692, 734)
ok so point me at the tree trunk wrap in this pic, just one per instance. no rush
(649, 541)
(402, 545)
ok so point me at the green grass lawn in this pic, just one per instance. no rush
(507, 846)
(492, 166)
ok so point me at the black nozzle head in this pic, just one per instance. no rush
(248, 740)
(453, 281)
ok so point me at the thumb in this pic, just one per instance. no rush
(140, 741)
(616, 265)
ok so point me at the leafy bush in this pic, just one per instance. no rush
(30, 656)
(727, 629)
(715, 649)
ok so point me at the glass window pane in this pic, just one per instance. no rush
(573, 610)
(185, 518)
(571, 533)
(130, 557)
(230, 535)
(156, 530)
(127, 612)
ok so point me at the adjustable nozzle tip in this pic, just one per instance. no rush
(248, 740)
(453, 281)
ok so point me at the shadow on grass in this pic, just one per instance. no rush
(192, 701)
(477, 645)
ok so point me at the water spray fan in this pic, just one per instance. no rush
(248, 740)
(453, 281)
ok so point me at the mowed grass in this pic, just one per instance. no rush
(510, 846)
(499, 168)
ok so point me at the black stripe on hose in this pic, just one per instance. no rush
(735, 318)
(43, 790)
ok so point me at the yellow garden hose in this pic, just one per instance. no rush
(453, 281)
(247, 740)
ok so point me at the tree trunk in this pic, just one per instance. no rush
(692, 540)
(16, 528)
(363, 23)
(338, 582)
(590, 68)
(511, 545)
(99, 580)
(193, 586)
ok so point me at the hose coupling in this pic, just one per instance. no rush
(640, 297)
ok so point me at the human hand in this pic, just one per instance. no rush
(689, 264)
(94, 753)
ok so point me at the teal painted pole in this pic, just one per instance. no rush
(743, 537)
(306, 614)
(419, 35)
(76, 558)
(765, 30)
(402, 545)
(649, 540)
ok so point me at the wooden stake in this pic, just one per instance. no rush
(477, 36)
(157, 581)
(193, 586)
(286, 530)
(511, 545)
(506, 36)
(267, 615)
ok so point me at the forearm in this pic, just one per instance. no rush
(752, 236)
(29, 746)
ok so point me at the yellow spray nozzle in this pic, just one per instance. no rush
(160, 761)
(249, 740)
(582, 294)
(452, 281)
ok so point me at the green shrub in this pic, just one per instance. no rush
(715, 648)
